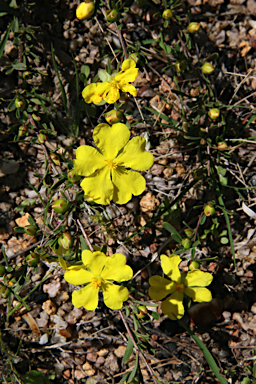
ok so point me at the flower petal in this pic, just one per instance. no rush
(111, 95)
(88, 160)
(126, 183)
(116, 268)
(128, 75)
(87, 297)
(125, 87)
(170, 267)
(93, 93)
(110, 139)
(129, 63)
(114, 295)
(99, 186)
(173, 306)
(198, 294)
(77, 275)
(160, 287)
(198, 278)
(95, 261)
(134, 155)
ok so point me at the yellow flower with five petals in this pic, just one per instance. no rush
(191, 284)
(98, 272)
(109, 89)
(106, 176)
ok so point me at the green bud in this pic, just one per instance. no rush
(189, 232)
(193, 265)
(180, 66)
(2, 270)
(65, 240)
(113, 116)
(32, 259)
(26, 75)
(207, 68)
(30, 230)
(193, 27)
(73, 176)
(55, 158)
(4, 291)
(112, 15)
(135, 56)
(35, 117)
(20, 103)
(222, 146)
(209, 210)
(60, 205)
(167, 14)
(41, 138)
(85, 10)
(214, 113)
(142, 312)
(22, 130)
(186, 243)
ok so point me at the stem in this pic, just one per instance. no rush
(84, 235)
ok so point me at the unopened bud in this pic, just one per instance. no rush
(41, 138)
(65, 240)
(113, 116)
(19, 102)
(30, 230)
(60, 206)
(222, 146)
(189, 232)
(73, 176)
(22, 130)
(209, 210)
(85, 10)
(112, 15)
(193, 265)
(203, 141)
(35, 117)
(186, 243)
(32, 259)
(214, 113)
(180, 66)
(55, 158)
(135, 56)
(142, 312)
(207, 68)
(193, 27)
(167, 14)
(26, 74)
(4, 291)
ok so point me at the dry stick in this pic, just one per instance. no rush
(120, 37)
(198, 223)
(102, 31)
(150, 370)
(84, 235)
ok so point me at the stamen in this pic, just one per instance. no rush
(111, 164)
(180, 287)
(96, 282)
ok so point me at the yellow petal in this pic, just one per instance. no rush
(160, 287)
(77, 275)
(116, 268)
(110, 139)
(126, 183)
(114, 295)
(134, 155)
(99, 186)
(86, 297)
(93, 93)
(111, 95)
(129, 63)
(125, 87)
(95, 261)
(88, 160)
(173, 306)
(198, 294)
(63, 263)
(198, 278)
(128, 76)
(170, 267)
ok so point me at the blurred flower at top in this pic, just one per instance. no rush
(110, 89)
(85, 10)
(190, 284)
(105, 168)
(98, 272)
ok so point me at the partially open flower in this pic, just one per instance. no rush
(214, 113)
(207, 68)
(85, 10)
(193, 27)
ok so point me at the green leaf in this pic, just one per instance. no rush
(224, 240)
(64, 96)
(173, 231)
(221, 171)
(128, 351)
(35, 377)
(223, 180)
(246, 381)
(19, 66)
(103, 75)
(155, 315)
(85, 70)
(203, 220)
(19, 229)
(135, 369)
(84, 246)
(4, 39)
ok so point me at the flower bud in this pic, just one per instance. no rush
(19, 102)
(222, 146)
(30, 230)
(209, 210)
(73, 176)
(193, 265)
(4, 291)
(112, 15)
(186, 243)
(203, 141)
(113, 116)
(32, 259)
(65, 240)
(193, 27)
(22, 130)
(41, 138)
(189, 232)
(207, 68)
(2, 270)
(55, 158)
(85, 10)
(167, 14)
(180, 66)
(135, 56)
(35, 117)
(60, 206)
(142, 312)
(214, 113)
(26, 75)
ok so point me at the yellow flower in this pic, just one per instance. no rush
(97, 272)
(109, 89)
(85, 10)
(191, 284)
(106, 176)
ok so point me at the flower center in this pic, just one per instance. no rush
(111, 164)
(180, 287)
(96, 282)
